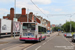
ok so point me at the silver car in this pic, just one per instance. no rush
(68, 35)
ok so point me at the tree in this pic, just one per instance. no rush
(66, 26)
(56, 28)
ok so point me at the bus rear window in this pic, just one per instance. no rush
(28, 26)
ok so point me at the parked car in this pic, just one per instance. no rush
(62, 31)
(68, 35)
(73, 38)
(65, 34)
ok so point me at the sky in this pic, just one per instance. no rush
(51, 9)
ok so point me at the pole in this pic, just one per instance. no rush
(70, 24)
(14, 13)
(36, 16)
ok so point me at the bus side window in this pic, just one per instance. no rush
(39, 29)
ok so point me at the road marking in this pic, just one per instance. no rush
(68, 41)
(30, 46)
(72, 44)
(51, 36)
(44, 43)
(48, 40)
(38, 47)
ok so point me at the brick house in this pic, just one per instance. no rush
(40, 18)
(31, 17)
(22, 17)
(44, 22)
(48, 25)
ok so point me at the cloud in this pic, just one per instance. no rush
(5, 1)
(3, 11)
(56, 9)
(30, 6)
(47, 12)
(73, 8)
(42, 1)
(63, 12)
(73, 0)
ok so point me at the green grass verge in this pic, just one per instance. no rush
(73, 33)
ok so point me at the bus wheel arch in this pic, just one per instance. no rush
(40, 39)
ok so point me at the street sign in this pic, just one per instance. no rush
(58, 29)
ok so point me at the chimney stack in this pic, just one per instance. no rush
(31, 13)
(11, 13)
(23, 11)
(31, 16)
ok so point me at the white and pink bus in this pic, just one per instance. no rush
(30, 31)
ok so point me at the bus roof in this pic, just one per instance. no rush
(27, 22)
(41, 25)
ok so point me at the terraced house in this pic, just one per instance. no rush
(27, 17)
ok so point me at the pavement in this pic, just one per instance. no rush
(15, 44)
(56, 42)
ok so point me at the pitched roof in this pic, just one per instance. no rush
(17, 15)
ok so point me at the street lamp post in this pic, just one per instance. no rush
(27, 15)
(14, 13)
(70, 23)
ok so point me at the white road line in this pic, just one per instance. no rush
(68, 41)
(38, 47)
(72, 44)
(51, 39)
(48, 40)
(44, 43)
(30, 46)
(51, 36)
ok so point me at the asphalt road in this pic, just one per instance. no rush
(6, 43)
(53, 43)
(70, 40)
(15, 44)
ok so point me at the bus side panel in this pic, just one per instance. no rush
(43, 36)
(37, 33)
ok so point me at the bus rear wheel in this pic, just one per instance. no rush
(44, 38)
(40, 39)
